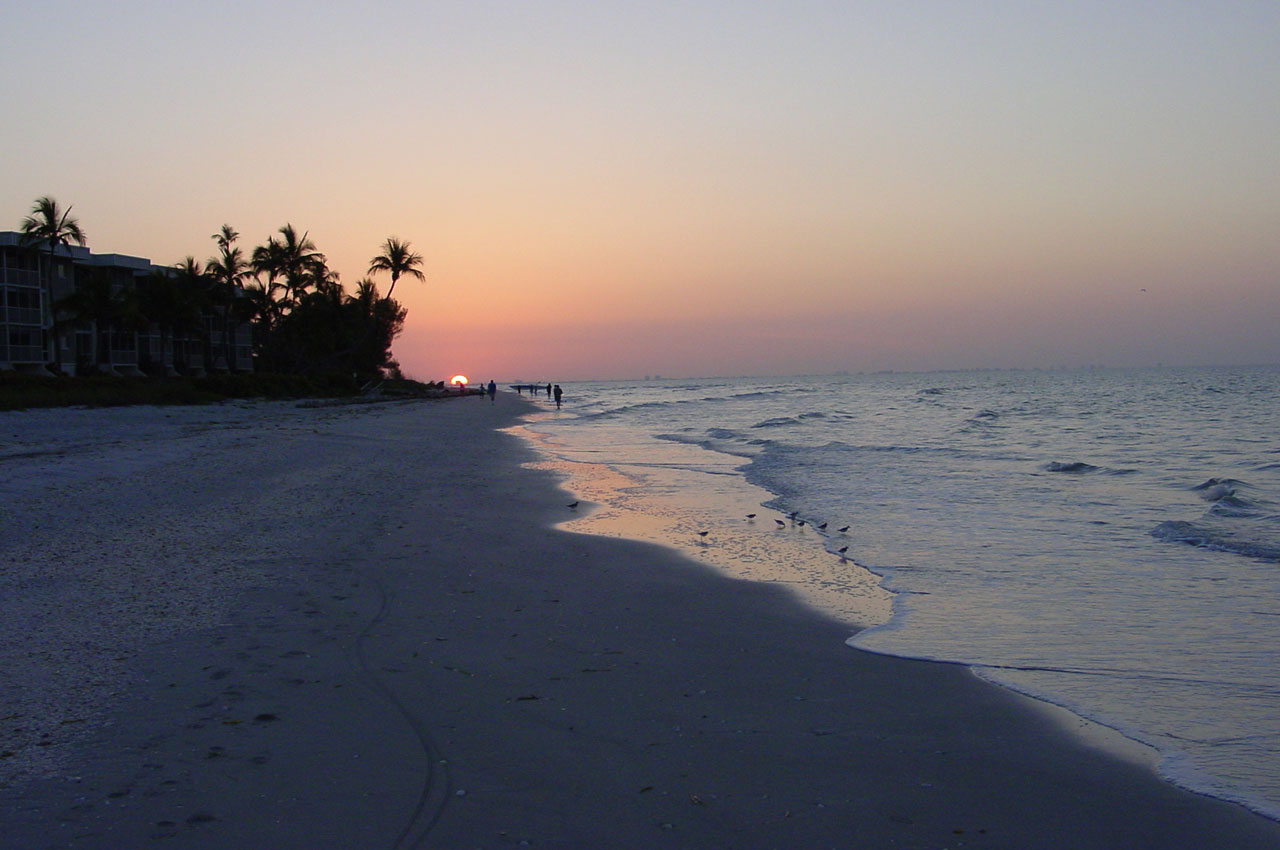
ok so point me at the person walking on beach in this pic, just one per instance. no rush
(558, 392)
(493, 391)
(548, 391)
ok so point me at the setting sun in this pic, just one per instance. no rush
(459, 379)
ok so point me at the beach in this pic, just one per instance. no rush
(264, 625)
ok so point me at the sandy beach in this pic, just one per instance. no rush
(271, 626)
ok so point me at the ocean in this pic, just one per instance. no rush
(1107, 541)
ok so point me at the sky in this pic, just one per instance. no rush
(620, 189)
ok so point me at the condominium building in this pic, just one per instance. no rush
(36, 336)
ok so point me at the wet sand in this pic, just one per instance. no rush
(264, 626)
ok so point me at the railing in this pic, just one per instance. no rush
(20, 316)
(21, 353)
(20, 277)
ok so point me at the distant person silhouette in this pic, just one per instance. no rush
(548, 391)
(558, 392)
(493, 391)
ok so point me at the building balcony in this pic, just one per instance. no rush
(20, 316)
(20, 353)
(20, 277)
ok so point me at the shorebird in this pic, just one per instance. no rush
(703, 534)
(843, 529)
(751, 516)
(822, 527)
(780, 523)
(800, 523)
(842, 550)
(572, 505)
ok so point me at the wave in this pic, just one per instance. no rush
(1234, 506)
(1079, 467)
(983, 423)
(660, 404)
(1206, 536)
(624, 409)
(1228, 499)
(1073, 467)
(720, 440)
(779, 422)
(782, 421)
(1219, 484)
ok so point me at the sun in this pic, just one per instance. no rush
(459, 379)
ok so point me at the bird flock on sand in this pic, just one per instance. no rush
(793, 517)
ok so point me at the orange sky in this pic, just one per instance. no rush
(613, 190)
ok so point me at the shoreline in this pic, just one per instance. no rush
(663, 495)
(424, 660)
(861, 604)
(784, 557)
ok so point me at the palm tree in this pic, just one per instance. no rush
(171, 305)
(366, 295)
(397, 259)
(263, 312)
(97, 301)
(54, 226)
(195, 290)
(292, 258)
(158, 302)
(229, 272)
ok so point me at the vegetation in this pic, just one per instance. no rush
(304, 322)
(53, 226)
(397, 259)
(21, 391)
(228, 273)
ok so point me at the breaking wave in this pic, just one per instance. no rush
(1074, 467)
(1208, 536)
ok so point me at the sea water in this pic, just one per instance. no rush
(1108, 541)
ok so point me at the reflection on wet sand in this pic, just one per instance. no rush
(705, 516)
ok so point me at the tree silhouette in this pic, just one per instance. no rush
(99, 301)
(397, 259)
(171, 304)
(303, 321)
(195, 288)
(229, 271)
(54, 226)
(291, 263)
(375, 322)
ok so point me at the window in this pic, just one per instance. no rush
(22, 299)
